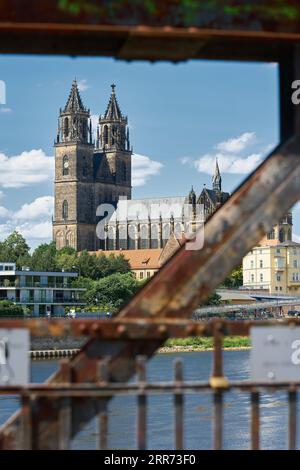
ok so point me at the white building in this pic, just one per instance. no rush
(42, 292)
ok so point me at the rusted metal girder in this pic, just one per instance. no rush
(137, 328)
(178, 288)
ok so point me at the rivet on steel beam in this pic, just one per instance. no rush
(121, 329)
(190, 329)
(162, 329)
(83, 328)
(95, 328)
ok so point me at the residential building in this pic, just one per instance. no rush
(41, 292)
(273, 268)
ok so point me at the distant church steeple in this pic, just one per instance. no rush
(112, 132)
(74, 120)
(216, 179)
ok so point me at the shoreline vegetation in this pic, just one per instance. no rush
(199, 343)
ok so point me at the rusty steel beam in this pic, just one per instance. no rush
(142, 42)
(102, 389)
(181, 284)
(137, 328)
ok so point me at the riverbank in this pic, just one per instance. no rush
(200, 343)
(50, 348)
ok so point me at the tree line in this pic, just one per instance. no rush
(108, 280)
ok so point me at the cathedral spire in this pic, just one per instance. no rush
(113, 111)
(216, 179)
(74, 123)
(74, 103)
(113, 132)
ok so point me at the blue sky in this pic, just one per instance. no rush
(181, 116)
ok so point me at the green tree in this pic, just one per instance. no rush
(9, 309)
(212, 299)
(66, 259)
(44, 258)
(113, 290)
(13, 248)
(235, 279)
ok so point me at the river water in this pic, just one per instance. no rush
(198, 408)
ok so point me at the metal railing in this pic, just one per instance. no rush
(67, 394)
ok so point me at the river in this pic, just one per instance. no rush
(198, 408)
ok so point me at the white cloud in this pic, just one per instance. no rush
(228, 163)
(296, 238)
(32, 220)
(237, 144)
(25, 169)
(39, 230)
(186, 160)
(5, 110)
(233, 156)
(40, 207)
(83, 85)
(143, 168)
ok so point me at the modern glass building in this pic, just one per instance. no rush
(43, 293)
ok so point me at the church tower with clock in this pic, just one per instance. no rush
(88, 173)
(73, 223)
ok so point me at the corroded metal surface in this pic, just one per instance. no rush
(147, 329)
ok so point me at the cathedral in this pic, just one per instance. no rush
(89, 174)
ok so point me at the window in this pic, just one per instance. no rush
(122, 237)
(166, 233)
(110, 238)
(261, 263)
(144, 236)
(261, 277)
(154, 236)
(252, 264)
(105, 135)
(66, 127)
(131, 237)
(148, 274)
(295, 277)
(65, 165)
(271, 235)
(252, 277)
(295, 263)
(278, 250)
(276, 288)
(278, 277)
(65, 210)
(295, 251)
(141, 275)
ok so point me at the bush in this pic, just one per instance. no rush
(9, 309)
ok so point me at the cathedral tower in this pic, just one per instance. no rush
(113, 142)
(74, 218)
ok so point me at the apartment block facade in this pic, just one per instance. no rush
(43, 293)
(273, 268)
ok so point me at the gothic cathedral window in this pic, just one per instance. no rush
(105, 136)
(65, 165)
(65, 209)
(66, 127)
